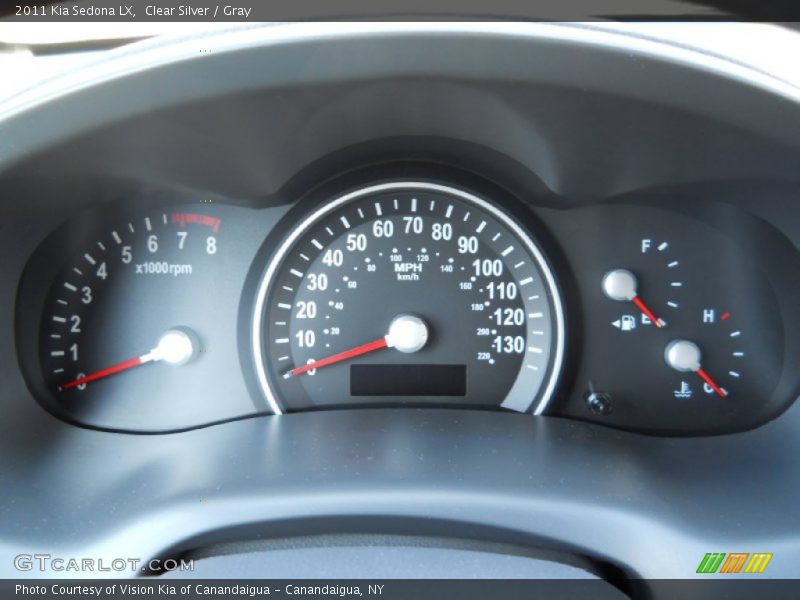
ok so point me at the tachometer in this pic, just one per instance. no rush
(139, 325)
(408, 293)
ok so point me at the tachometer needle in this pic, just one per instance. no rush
(176, 347)
(407, 333)
(102, 373)
(620, 285)
(684, 356)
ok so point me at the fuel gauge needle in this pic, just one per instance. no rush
(685, 356)
(639, 303)
(176, 347)
(620, 285)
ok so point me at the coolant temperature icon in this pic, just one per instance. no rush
(685, 391)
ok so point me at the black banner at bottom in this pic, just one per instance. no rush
(396, 589)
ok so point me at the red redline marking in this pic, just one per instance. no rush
(193, 218)
(211, 222)
(128, 364)
(352, 353)
(725, 316)
(648, 313)
(707, 378)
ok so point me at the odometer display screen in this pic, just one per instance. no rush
(415, 287)
(408, 380)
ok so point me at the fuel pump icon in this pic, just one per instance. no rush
(625, 323)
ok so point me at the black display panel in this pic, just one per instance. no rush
(408, 380)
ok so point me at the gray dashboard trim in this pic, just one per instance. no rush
(654, 506)
(258, 56)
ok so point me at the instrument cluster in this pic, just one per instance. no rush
(655, 316)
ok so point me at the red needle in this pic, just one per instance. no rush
(353, 352)
(123, 366)
(647, 312)
(707, 378)
(176, 347)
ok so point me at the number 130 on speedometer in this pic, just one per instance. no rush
(408, 293)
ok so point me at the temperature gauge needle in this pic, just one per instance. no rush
(176, 347)
(707, 378)
(684, 356)
(620, 285)
(407, 333)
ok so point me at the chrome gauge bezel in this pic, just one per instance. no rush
(258, 331)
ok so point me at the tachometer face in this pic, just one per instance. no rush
(139, 326)
(408, 293)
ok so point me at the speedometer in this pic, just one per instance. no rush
(408, 293)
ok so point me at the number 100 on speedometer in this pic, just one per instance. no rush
(408, 293)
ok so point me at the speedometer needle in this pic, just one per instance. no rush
(176, 347)
(346, 355)
(407, 333)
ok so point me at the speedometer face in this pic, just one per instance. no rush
(408, 293)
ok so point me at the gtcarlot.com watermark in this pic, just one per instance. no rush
(47, 563)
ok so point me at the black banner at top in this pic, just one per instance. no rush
(399, 10)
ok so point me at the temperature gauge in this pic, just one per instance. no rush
(678, 340)
(681, 354)
(726, 351)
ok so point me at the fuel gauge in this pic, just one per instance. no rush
(650, 280)
(683, 334)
